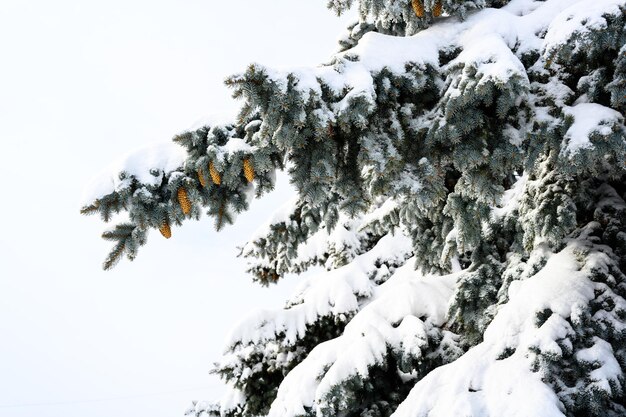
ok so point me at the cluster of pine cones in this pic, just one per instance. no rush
(418, 8)
(216, 178)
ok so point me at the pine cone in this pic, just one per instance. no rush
(165, 230)
(201, 178)
(183, 200)
(220, 217)
(248, 170)
(215, 175)
(438, 9)
(418, 7)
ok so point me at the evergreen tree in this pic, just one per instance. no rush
(460, 169)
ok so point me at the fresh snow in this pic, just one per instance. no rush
(580, 19)
(340, 239)
(231, 147)
(394, 317)
(601, 353)
(335, 292)
(483, 382)
(509, 201)
(147, 165)
(589, 118)
(378, 214)
(485, 37)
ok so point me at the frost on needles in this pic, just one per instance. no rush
(461, 177)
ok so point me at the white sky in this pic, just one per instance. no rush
(82, 82)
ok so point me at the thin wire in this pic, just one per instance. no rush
(127, 397)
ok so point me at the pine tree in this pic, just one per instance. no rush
(460, 169)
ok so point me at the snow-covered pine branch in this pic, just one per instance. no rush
(460, 174)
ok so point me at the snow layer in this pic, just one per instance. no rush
(509, 202)
(231, 147)
(341, 240)
(486, 38)
(486, 382)
(334, 292)
(378, 214)
(400, 313)
(147, 165)
(589, 118)
(580, 19)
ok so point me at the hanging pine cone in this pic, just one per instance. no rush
(438, 9)
(220, 217)
(248, 170)
(215, 175)
(183, 200)
(418, 7)
(165, 229)
(201, 178)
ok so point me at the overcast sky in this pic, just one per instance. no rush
(82, 82)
